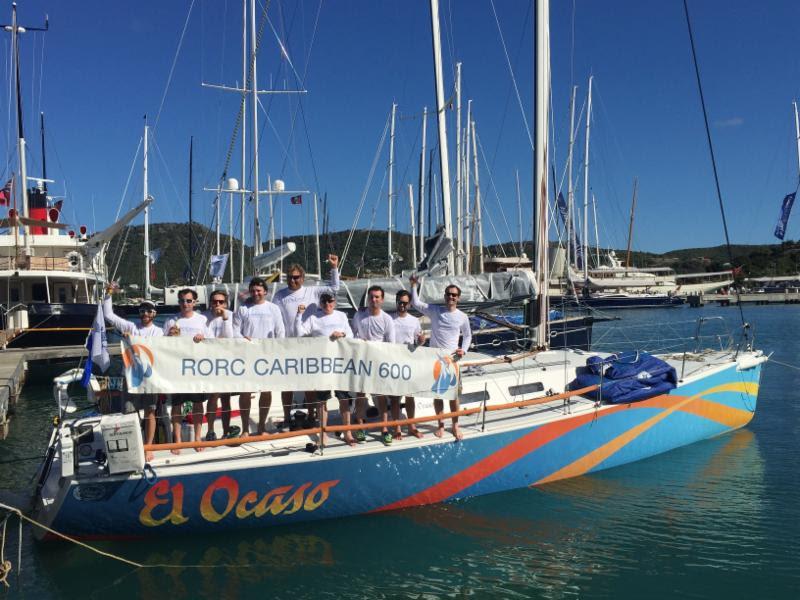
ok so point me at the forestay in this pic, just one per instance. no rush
(172, 365)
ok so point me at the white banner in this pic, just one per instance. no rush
(171, 365)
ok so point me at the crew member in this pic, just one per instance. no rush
(447, 325)
(257, 319)
(373, 325)
(407, 330)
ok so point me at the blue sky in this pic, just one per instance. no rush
(106, 64)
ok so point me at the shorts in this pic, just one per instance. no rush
(137, 402)
(178, 399)
(340, 394)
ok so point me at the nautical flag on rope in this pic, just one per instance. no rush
(783, 219)
(296, 200)
(155, 255)
(577, 249)
(97, 345)
(217, 264)
(5, 193)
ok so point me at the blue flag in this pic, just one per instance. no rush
(217, 264)
(575, 243)
(783, 219)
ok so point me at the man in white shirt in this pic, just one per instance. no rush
(373, 325)
(220, 325)
(258, 319)
(289, 299)
(145, 328)
(447, 325)
(187, 324)
(407, 330)
(332, 324)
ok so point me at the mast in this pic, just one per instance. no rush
(391, 185)
(191, 223)
(254, 132)
(519, 214)
(465, 155)
(477, 199)
(316, 236)
(462, 262)
(422, 185)
(596, 233)
(413, 226)
(145, 193)
(797, 134)
(242, 199)
(541, 110)
(444, 165)
(586, 189)
(570, 187)
(630, 226)
(44, 154)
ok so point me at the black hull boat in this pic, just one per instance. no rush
(54, 325)
(619, 301)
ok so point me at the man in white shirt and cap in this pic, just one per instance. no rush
(256, 320)
(289, 299)
(448, 324)
(145, 328)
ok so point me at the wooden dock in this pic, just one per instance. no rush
(791, 296)
(14, 365)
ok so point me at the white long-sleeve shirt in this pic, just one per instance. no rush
(259, 321)
(288, 300)
(446, 325)
(406, 329)
(129, 327)
(323, 325)
(373, 328)
(189, 326)
(217, 327)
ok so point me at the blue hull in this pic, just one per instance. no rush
(338, 485)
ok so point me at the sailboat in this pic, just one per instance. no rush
(528, 419)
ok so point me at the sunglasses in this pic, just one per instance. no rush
(185, 301)
(451, 295)
(402, 303)
(295, 277)
(218, 302)
(327, 301)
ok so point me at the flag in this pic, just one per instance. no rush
(575, 242)
(97, 345)
(5, 193)
(155, 255)
(296, 199)
(783, 219)
(217, 264)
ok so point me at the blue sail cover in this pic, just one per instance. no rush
(625, 377)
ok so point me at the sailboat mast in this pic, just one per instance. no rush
(586, 187)
(316, 235)
(254, 125)
(243, 200)
(444, 165)
(413, 226)
(462, 260)
(630, 225)
(797, 135)
(477, 198)
(191, 222)
(391, 186)
(44, 154)
(145, 192)
(422, 185)
(519, 213)
(570, 187)
(542, 83)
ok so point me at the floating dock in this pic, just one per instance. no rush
(791, 296)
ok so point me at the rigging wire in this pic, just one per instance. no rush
(713, 159)
(172, 68)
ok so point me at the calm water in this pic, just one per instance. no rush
(719, 519)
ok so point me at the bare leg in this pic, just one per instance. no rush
(438, 406)
(361, 408)
(344, 410)
(286, 399)
(149, 431)
(411, 410)
(310, 403)
(380, 402)
(456, 431)
(264, 402)
(225, 401)
(211, 411)
(396, 416)
(197, 420)
(244, 410)
(177, 417)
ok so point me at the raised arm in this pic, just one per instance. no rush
(120, 324)
(415, 301)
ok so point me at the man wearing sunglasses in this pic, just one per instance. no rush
(289, 299)
(257, 319)
(145, 328)
(407, 330)
(447, 325)
(373, 325)
(187, 324)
